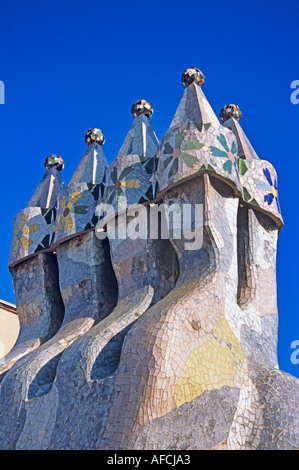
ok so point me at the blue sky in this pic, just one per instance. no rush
(71, 65)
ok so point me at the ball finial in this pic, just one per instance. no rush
(142, 107)
(54, 160)
(94, 135)
(192, 75)
(230, 111)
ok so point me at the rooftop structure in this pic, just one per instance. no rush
(131, 339)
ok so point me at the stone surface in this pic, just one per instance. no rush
(139, 331)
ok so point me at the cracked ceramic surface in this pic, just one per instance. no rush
(151, 343)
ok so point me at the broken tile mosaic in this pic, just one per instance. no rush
(149, 343)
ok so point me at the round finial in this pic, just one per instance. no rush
(192, 75)
(230, 110)
(94, 135)
(54, 160)
(142, 107)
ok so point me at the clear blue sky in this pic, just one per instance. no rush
(71, 65)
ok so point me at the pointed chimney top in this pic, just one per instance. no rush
(141, 139)
(92, 166)
(45, 195)
(194, 106)
(230, 115)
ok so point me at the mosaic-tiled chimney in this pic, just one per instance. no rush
(134, 339)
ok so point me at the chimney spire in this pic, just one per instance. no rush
(141, 139)
(230, 116)
(92, 167)
(46, 193)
